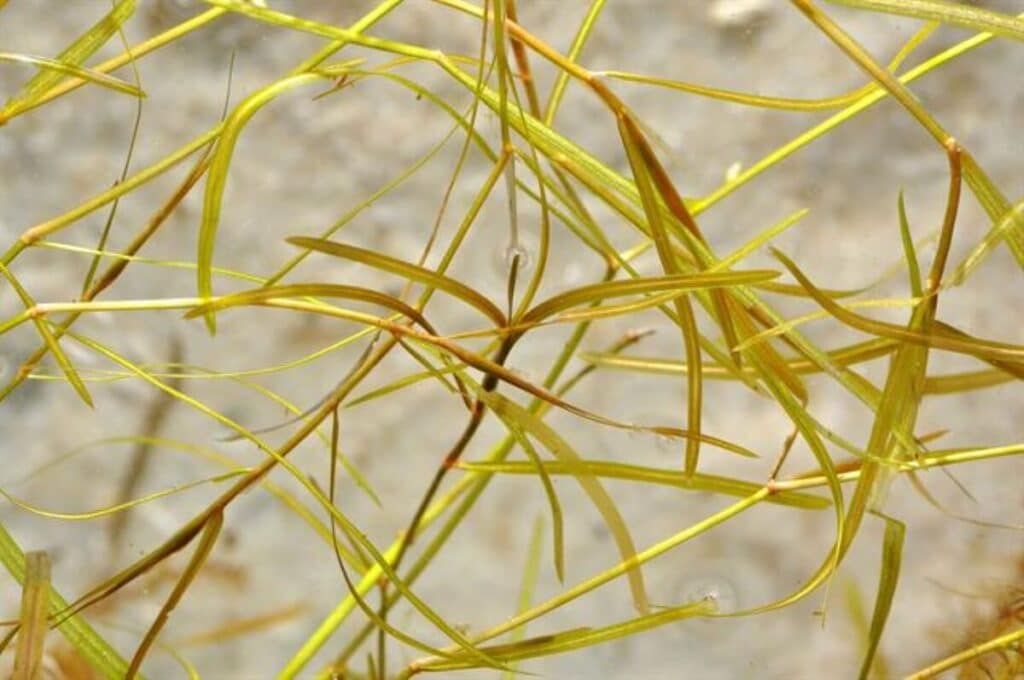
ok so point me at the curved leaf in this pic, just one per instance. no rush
(561, 449)
(678, 282)
(406, 270)
(260, 295)
(216, 178)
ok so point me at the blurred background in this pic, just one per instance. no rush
(303, 163)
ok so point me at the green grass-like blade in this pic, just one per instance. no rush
(579, 41)
(207, 541)
(843, 356)
(909, 252)
(216, 179)
(303, 290)
(561, 449)
(632, 140)
(93, 648)
(101, 79)
(677, 478)
(86, 515)
(406, 270)
(32, 620)
(70, 372)
(938, 338)
(952, 13)
(598, 580)
(73, 56)
(783, 103)
(577, 638)
(892, 553)
(680, 283)
(759, 241)
(1011, 222)
(557, 523)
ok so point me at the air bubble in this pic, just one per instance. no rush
(524, 256)
(504, 257)
(664, 443)
(635, 433)
(737, 14)
(639, 436)
(574, 274)
(732, 173)
(715, 590)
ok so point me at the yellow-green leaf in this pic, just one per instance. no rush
(92, 76)
(73, 55)
(33, 619)
(892, 553)
(406, 270)
(561, 449)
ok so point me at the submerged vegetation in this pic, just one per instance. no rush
(461, 339)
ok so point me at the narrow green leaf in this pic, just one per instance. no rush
(784, 103)
(955, 383)
(1011, 221)
(33, 619)
(73, 55)
(632, 141)
(909, 252)
(561, 449)
(952, 13)
(87, 515)
(759, 241)
(557, 523)
(677, 478)
(407, 270)
(101, 79)
(259, 295)
(93, 648)
(577, 638)
(217, 176)
(892, 553)
(579, 41)
(844, 356)
(677, 282)
(1000, 642)
(51, 342)
(207, 540)
(399, 384)
(939, 339)
(1007, 222)
(742, 98)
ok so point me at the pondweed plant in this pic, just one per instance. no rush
(414, 324)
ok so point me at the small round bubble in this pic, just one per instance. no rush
(641, 437)
(506, 255)
(518, 251)
(664, 443)
(715, 590)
